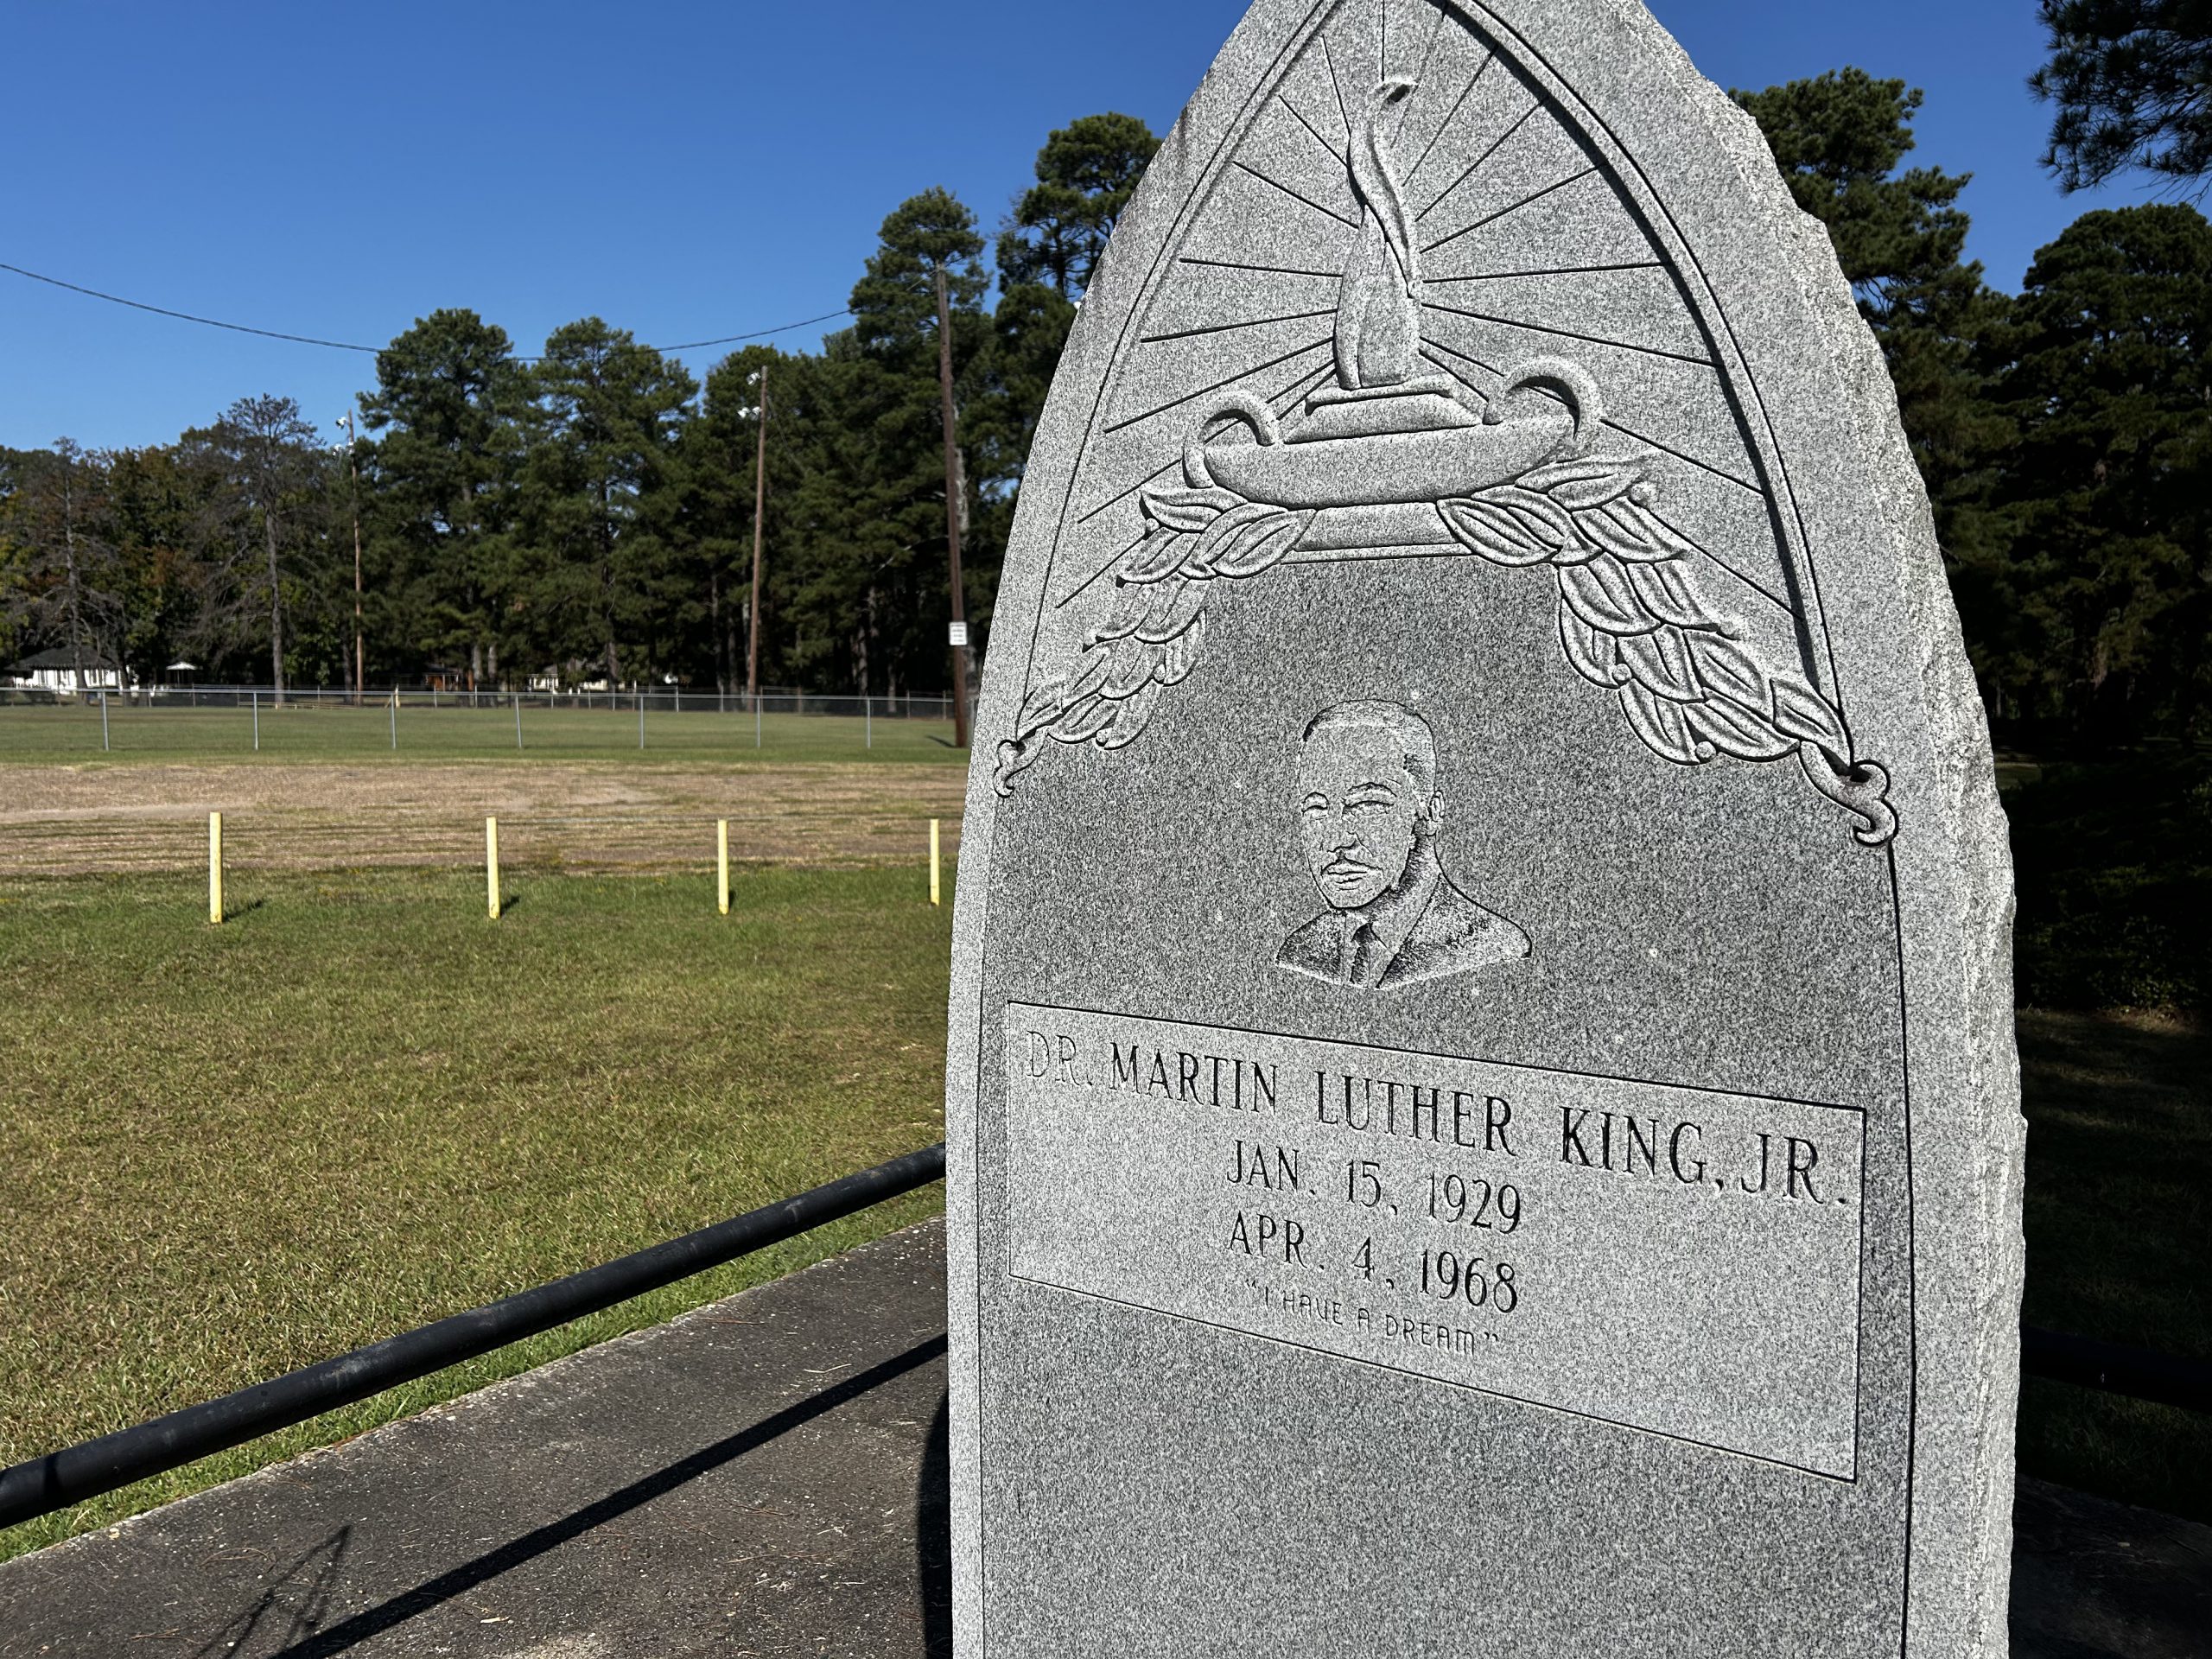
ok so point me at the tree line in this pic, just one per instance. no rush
(588, 514)
(2065, 432)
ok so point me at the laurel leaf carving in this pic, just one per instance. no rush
(1264, 546)
(1041, 707)
(1490, 532)
(1616, 529)
(1180, 655)
(1176, 606)
(1665, 591)
(1803, 713)
(1579, 486)
(1593, 653)
(1130, 717)
(1545, 520)
(1660, 724)
(1132, 664)
(1187, 510)
(1089, 676)
(1661, 663)
(1733, 731)
(1728, 670)
(1220, 537)
(1131, 605)
(1160, 555)
(1632, 619)
(1599, 593)
(1641, 518)
(1085, 720)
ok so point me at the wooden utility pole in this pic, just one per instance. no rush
(959, 633)
(360, 654)
(759, 510)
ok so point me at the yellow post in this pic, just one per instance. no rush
(492, 866)
(934, 861)
(721, 865)
(214, 868)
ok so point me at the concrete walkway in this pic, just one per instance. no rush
(747, 1479)
(765, 1476)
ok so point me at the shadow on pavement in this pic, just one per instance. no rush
(288, 1608)
(933, 1535)
(311, 1644)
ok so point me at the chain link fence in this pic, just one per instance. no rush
(666, 699)
(211, 722)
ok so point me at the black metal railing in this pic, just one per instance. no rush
(2139, 1373)
(60, 1478)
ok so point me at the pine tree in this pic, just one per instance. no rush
(1840, 139)
(890, 387)
(440, 477)
(61, 579)
(1059, 229)
(261, 526)
(2132, 83)
(2112, 486)
(596, 573)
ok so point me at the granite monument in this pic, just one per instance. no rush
(1481, 1101)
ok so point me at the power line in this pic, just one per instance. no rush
(347, 346)
(186, 316)
(758, 334)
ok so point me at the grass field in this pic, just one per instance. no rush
(360, 1106)
(151, 817)
(70, 735)
(325, 792)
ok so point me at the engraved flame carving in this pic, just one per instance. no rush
(1378, 304)
(1510, 482)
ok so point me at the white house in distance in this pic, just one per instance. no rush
(66, 673)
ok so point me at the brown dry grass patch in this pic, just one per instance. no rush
(610, 816)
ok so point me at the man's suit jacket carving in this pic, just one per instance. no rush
(1428, 930)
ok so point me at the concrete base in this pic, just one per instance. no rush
(764, 1477)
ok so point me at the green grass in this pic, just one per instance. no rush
(2113, 966)
(69, 734)
(2118, 1229)
(2113, 865)
(361, 1105)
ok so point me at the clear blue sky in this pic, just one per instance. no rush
(685, 171)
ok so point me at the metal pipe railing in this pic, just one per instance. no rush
(2139, 1373)
(60, 1478)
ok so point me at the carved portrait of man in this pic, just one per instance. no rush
(1369, 814)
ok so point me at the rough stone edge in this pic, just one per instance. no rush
(490, 1397)
(1116, 287)
(1987, 1281)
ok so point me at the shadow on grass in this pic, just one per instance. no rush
(2120, 1243)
